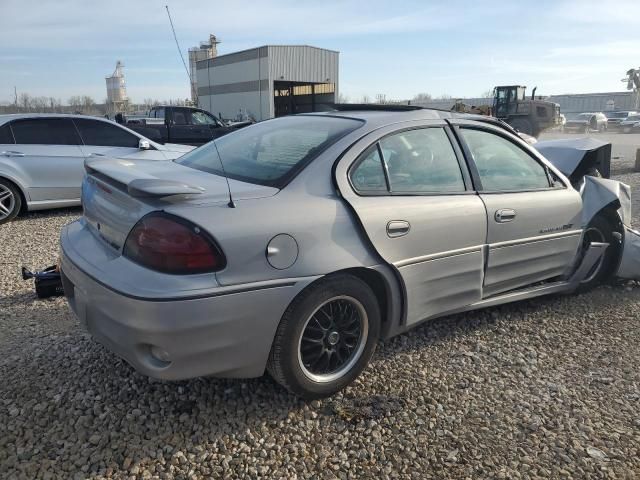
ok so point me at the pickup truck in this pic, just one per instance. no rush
(183, 125)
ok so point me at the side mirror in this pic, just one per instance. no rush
(144, 145)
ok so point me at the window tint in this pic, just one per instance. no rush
(422, 161)
(271, 152)
(158, 113)
(5, 135)
(103, 134)
(45, 131)
(368, 175)
(181, 117)
(502, 165)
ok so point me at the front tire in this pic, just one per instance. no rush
(10, 201)
(326, 337)
(601, 229)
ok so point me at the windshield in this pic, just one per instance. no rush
(633, 118)
(584, 116)
(272, 152)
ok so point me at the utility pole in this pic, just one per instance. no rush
(15, 96)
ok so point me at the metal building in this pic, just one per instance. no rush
(205, 51)
(268, 81)
(595, 102)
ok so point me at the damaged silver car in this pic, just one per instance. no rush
(292, 246)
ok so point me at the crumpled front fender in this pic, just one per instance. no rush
(599, 193)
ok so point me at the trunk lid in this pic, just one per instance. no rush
(117, 193)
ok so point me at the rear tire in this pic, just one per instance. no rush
(10, 201)
(601, 229)
(326, 337)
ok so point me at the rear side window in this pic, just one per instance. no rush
(422, 161)
(368, 173)
(103, 134)
(502, 165)
(272, 152)
(45, 131)
(6, 137)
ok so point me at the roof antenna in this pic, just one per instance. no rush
(178, 45)
(231, 204)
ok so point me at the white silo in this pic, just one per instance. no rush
(117, 100)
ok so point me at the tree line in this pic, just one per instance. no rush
(85, 104)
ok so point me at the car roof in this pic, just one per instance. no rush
(375, 115)
(22, 116)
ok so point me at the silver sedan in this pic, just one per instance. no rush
(294, 245)
(42, 157)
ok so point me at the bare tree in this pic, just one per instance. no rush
(24, 102)
(87, 103)
(421, 97)
(75, 103)
(342, 98)
(365, 99)
(487, 94)
(381, 98)
(445, 96)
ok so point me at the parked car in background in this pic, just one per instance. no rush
(585, 122)
(42, 157)
(323, 233)
(615, 118)
(184, 125)
(631, 124)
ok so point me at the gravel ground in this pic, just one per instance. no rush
(547, 388)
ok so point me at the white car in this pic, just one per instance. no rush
(42, 157)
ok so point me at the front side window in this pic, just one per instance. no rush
(103, 134)
(270, 153)
(502, 165)
(45, 131)
(368, 173)
(201, 118)
(6, 137)
(422, 161)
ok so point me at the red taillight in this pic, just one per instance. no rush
(172, 245)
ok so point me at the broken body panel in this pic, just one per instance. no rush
(574, 158)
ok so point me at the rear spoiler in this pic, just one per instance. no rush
(138, 184)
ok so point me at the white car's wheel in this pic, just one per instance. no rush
(326, 337)
(10, 201)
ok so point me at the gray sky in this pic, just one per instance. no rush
(461, 48)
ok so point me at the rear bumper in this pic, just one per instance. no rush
(227, 335)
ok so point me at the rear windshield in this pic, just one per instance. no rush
(272, 152)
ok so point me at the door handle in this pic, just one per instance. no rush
(398, 228)
(10, 153)
(504, 215)
(94, 154)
